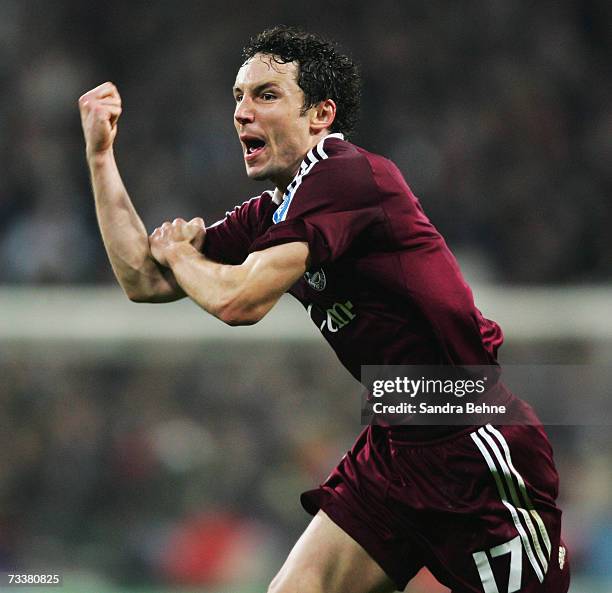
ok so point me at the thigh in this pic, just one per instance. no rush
(327, 560)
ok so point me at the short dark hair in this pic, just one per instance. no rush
(323, 72)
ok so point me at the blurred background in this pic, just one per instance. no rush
(152, 448)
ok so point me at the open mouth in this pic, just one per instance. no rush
(253, 147)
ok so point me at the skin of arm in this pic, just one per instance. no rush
(123, 232)
(125, 237)
(236, 294)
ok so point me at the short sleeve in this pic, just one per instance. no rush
(229, 240)
(330, 204)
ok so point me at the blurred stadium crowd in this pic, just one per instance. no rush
(498, 113)
(130, 464)
(159, 469)
(140, 465)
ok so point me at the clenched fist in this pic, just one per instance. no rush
(171, 234)
(100, 109)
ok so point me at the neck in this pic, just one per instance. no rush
(282, 183)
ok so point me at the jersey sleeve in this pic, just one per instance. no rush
(329, 205)
(228, 240)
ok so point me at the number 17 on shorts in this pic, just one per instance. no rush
(515, 550)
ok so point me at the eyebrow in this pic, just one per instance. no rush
(260, 87)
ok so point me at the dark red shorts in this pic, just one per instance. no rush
(477, 507)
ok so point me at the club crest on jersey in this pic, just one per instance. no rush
(316, 279)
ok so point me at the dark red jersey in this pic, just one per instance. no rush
(383, 287)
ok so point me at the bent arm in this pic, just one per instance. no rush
(123, 233)
(242, 294)
(125, 237)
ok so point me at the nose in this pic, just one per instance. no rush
(244, 112)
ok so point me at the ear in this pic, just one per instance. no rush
(322, 116)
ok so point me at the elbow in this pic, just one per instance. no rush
(136, 296)
(133, 288)
(237, 321)
(153, 297)
(236, 314)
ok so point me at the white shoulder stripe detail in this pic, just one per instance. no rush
(308, 163)
(320, 150)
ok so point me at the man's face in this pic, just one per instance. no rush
(274, 134)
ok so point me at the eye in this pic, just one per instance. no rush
(238, 98)
(268, 96)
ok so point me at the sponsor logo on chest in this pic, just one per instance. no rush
(334, 318)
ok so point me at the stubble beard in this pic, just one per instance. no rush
(267, 174)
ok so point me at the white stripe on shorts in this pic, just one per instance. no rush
(523, 489)
(513, 512)
(515, 499)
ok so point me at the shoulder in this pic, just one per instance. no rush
(256, 204)
(228, 239)
(337, 160)
(343, 175)
(336, 153)
(332, 172)
(370, 172)
(250, 211)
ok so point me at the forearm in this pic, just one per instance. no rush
(242, 294)
(219, 289)
(125, 237)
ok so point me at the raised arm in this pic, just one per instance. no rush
(236, 294)
(123, 232)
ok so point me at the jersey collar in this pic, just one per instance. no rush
(278, 196)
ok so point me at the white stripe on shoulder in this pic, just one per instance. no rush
(307, 164)
(310, 160)
(320, 150)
